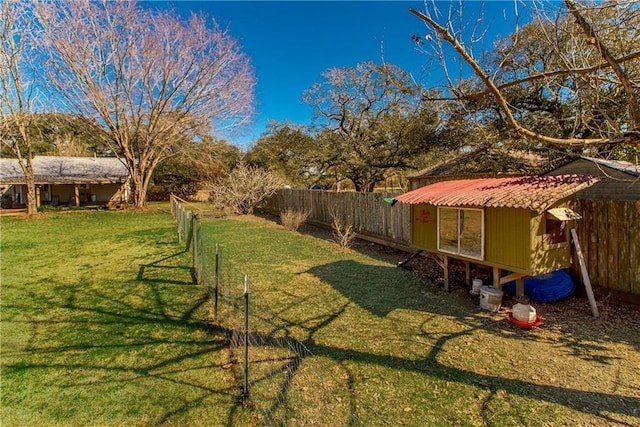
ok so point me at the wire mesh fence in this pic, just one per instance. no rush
(277, 375)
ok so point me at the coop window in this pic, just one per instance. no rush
(461, 231)
(554, 230)
(555, 222)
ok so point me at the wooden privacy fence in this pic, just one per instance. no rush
(372, 217)
(609, 231)
(609, 234)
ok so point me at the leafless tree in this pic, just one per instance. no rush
(148, 77)
(592, 60)
(18, 88)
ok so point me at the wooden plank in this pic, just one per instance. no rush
(613, 245)
(436, 258)
(511, 277)
(602, 246)
(634, 248)
(589, 225)
(585, 274)
(624, 241)
(496, 278)
(520, 287)
(446, 273)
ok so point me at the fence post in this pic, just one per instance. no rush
(188, 223)
(180, 217)
(194, 244)
(216, 278)
(245, 391)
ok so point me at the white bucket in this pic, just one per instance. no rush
(490, 298)
(475, 287)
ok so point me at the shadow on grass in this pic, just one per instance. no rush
(381, 289)
(148, 331)
(367, 286)
(161, 278)
(598, 404)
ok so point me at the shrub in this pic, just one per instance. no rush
(292, 219)
(244, 188)
(343, 232)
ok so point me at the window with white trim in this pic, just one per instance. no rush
(461, 231)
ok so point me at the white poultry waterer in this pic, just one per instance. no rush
(523, 311)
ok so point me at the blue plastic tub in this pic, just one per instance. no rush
(546, 287)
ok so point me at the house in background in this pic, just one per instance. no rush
(618, 180)
(72, 181)
(483, 162)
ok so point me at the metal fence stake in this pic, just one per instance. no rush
(245, 392)
(216, 278)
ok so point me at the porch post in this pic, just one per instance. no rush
(76, 194)
(37, 196)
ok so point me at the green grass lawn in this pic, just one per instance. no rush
(406, 353)
(102, 325)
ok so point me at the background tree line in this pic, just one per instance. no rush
(564, 84)
(154, 89)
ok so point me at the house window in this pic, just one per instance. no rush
(461, 232)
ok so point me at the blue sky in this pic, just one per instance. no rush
(291, 43)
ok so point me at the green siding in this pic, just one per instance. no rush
(507, 238)
(424, 233)
(513, 239)
(545, 258)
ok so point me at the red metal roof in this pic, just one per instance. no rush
(534, 192)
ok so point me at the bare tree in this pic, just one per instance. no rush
(149, 78)
(591, 61)
(18, 88)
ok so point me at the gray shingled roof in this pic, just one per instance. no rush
(66, 170)
(620, 165)
(483, 161)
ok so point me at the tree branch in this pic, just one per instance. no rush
(534, 77)
(593, 39)
(512, 123)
